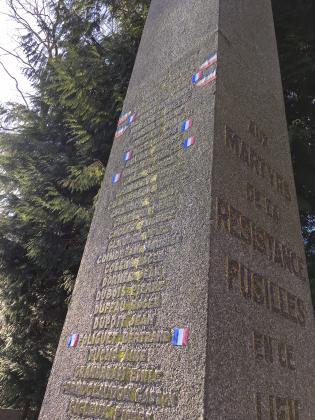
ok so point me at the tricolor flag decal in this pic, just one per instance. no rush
(189, 142)
(128, 156)
(180, 337)
(116, 178)
(120, 131)
(132, 119)
(125, 121)
(186, 125)
(197, 76)
(73, 340)
(210, 77)
(212, 59)
(207, 72)
(123, 118)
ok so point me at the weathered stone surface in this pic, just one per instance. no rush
(205, 237)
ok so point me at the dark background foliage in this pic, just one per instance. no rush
(79, 56)
(295, 29)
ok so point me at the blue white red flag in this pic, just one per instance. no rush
(210, 77)
(116, 178)
(212, 59)
(73, 340)
(180, 337)
(132, 119)
(207, 71)
(128, 155)
(197, 76)
(123, 118)
(189, 142)
(125, 121)
(186, 125)
(120, 131)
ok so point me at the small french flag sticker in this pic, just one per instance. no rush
(189, 142)
(197, 76)
(124, 117)
(180, 337)
(212, 59)
(186, 125)
(120, 132)
(132, 119)
(128, 156)
(72, 341)
(208, 79)
(116, 178)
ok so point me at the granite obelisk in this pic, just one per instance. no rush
(192, 300)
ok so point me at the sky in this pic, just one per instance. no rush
(8, 30)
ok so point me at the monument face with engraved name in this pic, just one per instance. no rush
(192, 300)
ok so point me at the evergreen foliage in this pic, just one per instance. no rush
(53, 156)
(296, 43)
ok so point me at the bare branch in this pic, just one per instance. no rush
(22, 21)
(16, 83)
(18, 58)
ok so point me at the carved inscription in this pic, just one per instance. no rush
(258, 133)
(270, 350)
(127, 303)
(261, 202)
(277, 408)
(118, 374)
(131, 393)
(86, 408)
(239, 148)
(100, 355)
(241, 227)
(254, 287)
(263, 292)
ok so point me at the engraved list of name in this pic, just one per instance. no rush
(121, 378)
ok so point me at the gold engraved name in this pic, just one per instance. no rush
(260, 290)
(140, 248)
(132, 290)
(118, 373)
(132, 305)
(141, 224)
(133, 263)
(130, 337)
(142, 183)
(97, 355)
(241, 227)
(149, 272)
(104, 411)
(256, 163)
(127, 321)
(122, 252)
(140, 209)
(161, 163)
(118, 393)
(133, 195)
(139, 236)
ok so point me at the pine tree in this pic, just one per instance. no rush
(52, 161)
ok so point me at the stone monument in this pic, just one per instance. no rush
(192, 300)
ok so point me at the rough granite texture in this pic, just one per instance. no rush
(194, 229)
